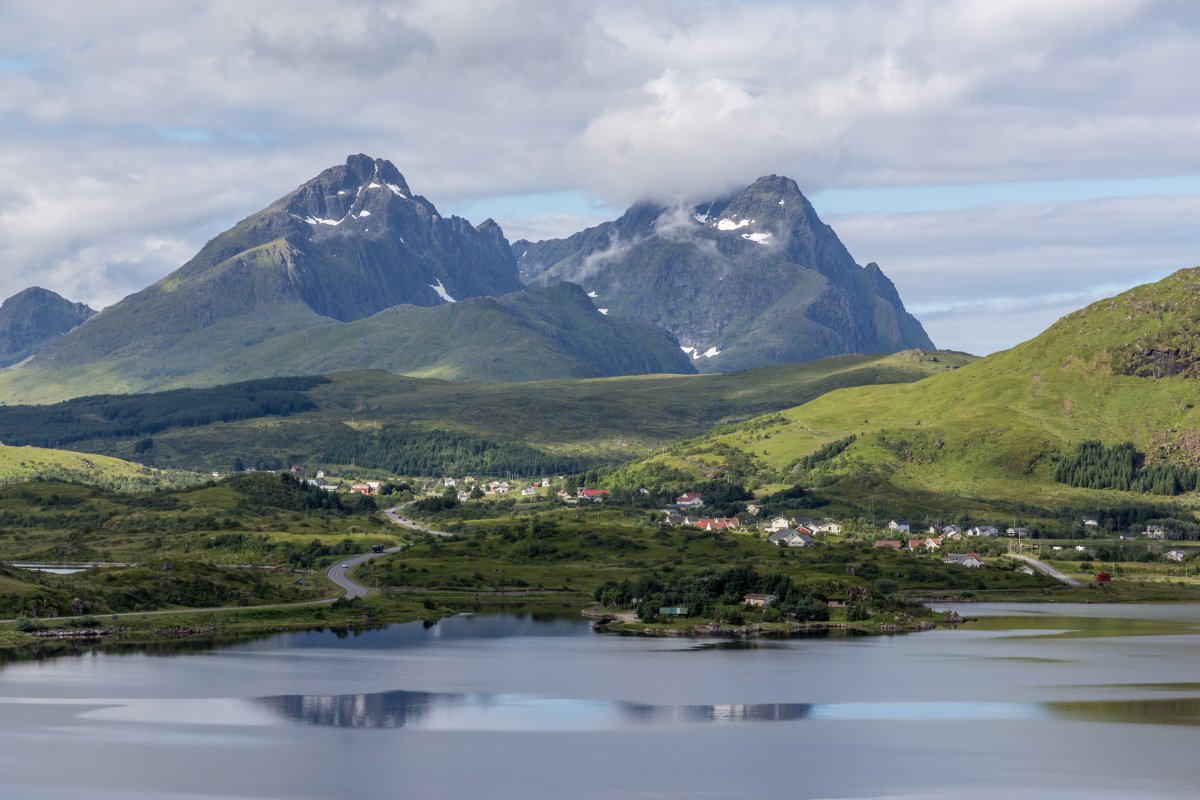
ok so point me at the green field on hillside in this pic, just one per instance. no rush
(1120, 370)
(573, 423)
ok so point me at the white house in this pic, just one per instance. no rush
(777, 524)
(971, 560)
(828, 527)
(1178, 556)
(1091, 522)
(689, 500)
(898, 525)
(449, 483)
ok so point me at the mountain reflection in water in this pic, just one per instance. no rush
(403, 709)
(517, 712)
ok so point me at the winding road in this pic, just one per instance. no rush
(338, 573)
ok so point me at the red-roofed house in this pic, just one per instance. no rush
(595, 495)
(689, 500)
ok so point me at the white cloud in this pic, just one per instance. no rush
(134, 131)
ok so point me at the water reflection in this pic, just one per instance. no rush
(515, 712)
(482, 711)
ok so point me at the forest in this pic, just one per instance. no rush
(118, 416)
(404, 451)
(1121, 466)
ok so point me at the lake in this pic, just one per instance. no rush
(1055, 701)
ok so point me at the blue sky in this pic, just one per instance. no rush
(1004, 161)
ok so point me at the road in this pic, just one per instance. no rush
(338, 572)
(1046, 569)
(393, 514)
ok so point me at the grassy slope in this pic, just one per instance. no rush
(608, 419)
(19, 464)
(994, 428)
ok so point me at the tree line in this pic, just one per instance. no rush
(438, 452)
(1094, 466)
(119, 416)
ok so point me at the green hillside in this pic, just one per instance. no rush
(278, 422)
(21, 464)
(1123, 369)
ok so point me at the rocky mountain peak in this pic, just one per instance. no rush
(32, 318)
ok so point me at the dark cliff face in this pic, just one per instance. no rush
(34, 317)
(748, 280)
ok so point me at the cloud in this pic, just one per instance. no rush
(134, 131)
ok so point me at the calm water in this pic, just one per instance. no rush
(1029, 702)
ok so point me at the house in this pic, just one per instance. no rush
(971, 560)
(809, 523)
(898, 525)
(361, 488)
(929, 543)
(779, 538)
(673, 520)
(672, 611)
(719, 523)
(1079, 548)
(502, 487)
(320, 474)
(759, 599)
(1103, 577)
(798, 538)
(529, 491)
(777, 524)
(1178, 556)
(1156, 532)
(754, 509)
(827, 527)
(987, 531)
(1025, 569)
(594, 495)
(689, 500)
(894, 544)
(464, 497)
(1018, 532)
(1091, 522)
(449, 483)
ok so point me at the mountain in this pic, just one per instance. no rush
(34, 317)
(319, 265)
(1123, 369)
(748, 281)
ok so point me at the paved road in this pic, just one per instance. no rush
(393, 514)
(338, 572)
(1046, 569)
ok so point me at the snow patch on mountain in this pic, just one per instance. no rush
(441, 291)
(757, 238)
(311, 220)
(396, 190)
(730, 225)
(603, 311)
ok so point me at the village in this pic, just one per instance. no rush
(970, 547)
